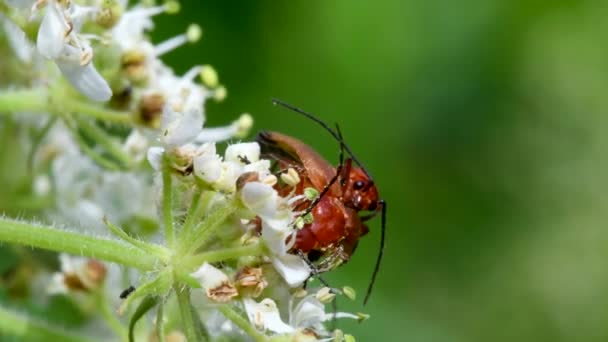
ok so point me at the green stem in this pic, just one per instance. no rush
(28, 329)
(242, 323)
(151, 248)
(102, 138)
(50, 238)
(26, 100)
(183, 300)
(193, 262)
(94, 111)
(39, 100)
(208, 226)
(160, 324)
(194, 214)
(167, 202)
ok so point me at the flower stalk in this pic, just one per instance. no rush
(53, 239)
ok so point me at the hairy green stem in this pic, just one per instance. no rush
(51, 238)
(167, 202)
(25, 100)
(102, 138)
(28, 329)
(95, 111)
(193, 262)
(189, 325)
(207, 228)
(242, 323)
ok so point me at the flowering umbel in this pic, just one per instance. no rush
(119, 146)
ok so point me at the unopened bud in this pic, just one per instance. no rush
(338, 335)
(209, 76)
(194, 33)
(308, 218)
(362, 317)
(311, 193)
(109, 14)
(172, 7)
(243, 125)
(220, 93)
(349, 292)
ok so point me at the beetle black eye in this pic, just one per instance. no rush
(359, 185)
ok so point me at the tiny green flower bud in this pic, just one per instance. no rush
(220, 93)
(311, 193)
(349, 292)
(308, 218)
(299, 222)
(209, 76)
(244, 124)
(362, 316)
(349, 338)
(172, 7)
(194, 33)
(109, 14)
(338, 335)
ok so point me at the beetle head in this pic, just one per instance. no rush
(359, 191)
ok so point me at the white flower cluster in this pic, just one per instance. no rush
(94, 174)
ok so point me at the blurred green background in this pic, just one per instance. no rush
(484, 124)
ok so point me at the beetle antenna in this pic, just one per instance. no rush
(326, 127)
(341, 160)
(380, 253)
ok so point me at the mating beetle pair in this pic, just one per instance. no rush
(344, 191)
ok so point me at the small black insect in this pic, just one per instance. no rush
(125, 293)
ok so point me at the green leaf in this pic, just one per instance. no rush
(146, 305)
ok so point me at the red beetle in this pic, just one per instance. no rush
(344, 191)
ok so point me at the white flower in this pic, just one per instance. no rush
(277, 230)
(22, 47)
(179, 128)
(77, 273)
(216, 283)
(265, 316)
(208, 164)
(308, 313)
(82, 73)
(58, 39)
(237, 153)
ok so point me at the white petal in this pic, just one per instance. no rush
(250, 151)
(155, 156)
(22, 47)
(208, 168)
(86, 79)
(51, 34)
(180, 128)
(309, 312)
(260, 198)
(230, 174)
(265, 316)
(275, 232)
(209, 276)
(292, 268)
(216, 134)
